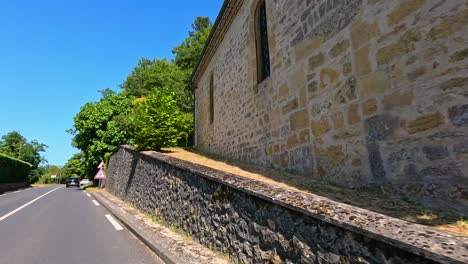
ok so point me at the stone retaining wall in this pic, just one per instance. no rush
(6, 187)
(255, 222)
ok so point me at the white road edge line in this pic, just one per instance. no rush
(26, 204)
(116, 225)
(16, 191)
(89, 195)
(95, 202)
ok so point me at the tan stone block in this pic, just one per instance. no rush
(425, 122)
(391, 35)
(412, 76)
(290, 106)
(338, 120)
(406, 8)
(320, 127)
(397, 100)
(356, 162)
(449, 25)
(269, 150)
(283, 91)
(353, 114)
(459, 55)
(321, 171)
(298, 120)
(276, 148)
(316, 61)
(297, 79)
(275, 133)
(361, 59)
(328, 76)
(374, 84)
(454, 83)
(339, 48)
(346, 134)
(347, 68)
(307, 47)
(411, 60)
(303, 97)
(363, 32)
(333, 155)
(292, 142)
(304, 136)
(433, 52)
(394, 51)
(369, 107)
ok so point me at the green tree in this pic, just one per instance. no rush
(97, 130)
(75, 166)
(159, 123)
(149, 75)
(188, 53)
(12, 143)
(46, 172)
(15, 145)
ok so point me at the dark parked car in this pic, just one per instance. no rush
(73, 181)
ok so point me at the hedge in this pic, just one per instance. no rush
(13, 170)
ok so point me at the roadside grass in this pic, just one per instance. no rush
(173, 227)
(92, 188)
(376, 199)
(44, 184)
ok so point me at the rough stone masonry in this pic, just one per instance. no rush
(254, 222)
(361, 92)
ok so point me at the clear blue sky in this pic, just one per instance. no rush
(56, 54)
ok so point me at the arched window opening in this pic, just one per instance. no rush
(263, 52)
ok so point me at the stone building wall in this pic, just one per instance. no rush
(361, 92)
(254, 222)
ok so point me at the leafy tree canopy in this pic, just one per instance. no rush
(45, 172)
(188, 53)
(159, 123)
(96, 128)
(75, 166)
(15, 145)
(150, 75)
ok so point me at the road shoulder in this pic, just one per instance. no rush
(168, 245)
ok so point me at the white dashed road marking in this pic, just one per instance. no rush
(95, 202)
(116, 225)
(26, 204)
(89, 195)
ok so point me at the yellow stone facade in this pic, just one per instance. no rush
(357, 89)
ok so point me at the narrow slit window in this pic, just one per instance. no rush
(263, 52)
(211, 100)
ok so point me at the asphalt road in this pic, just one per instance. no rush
(63, 225)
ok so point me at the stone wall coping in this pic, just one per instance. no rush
(428, 242)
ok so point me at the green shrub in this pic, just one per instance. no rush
(13, 170)
(158, 122)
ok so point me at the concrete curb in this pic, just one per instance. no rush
(166, 256)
